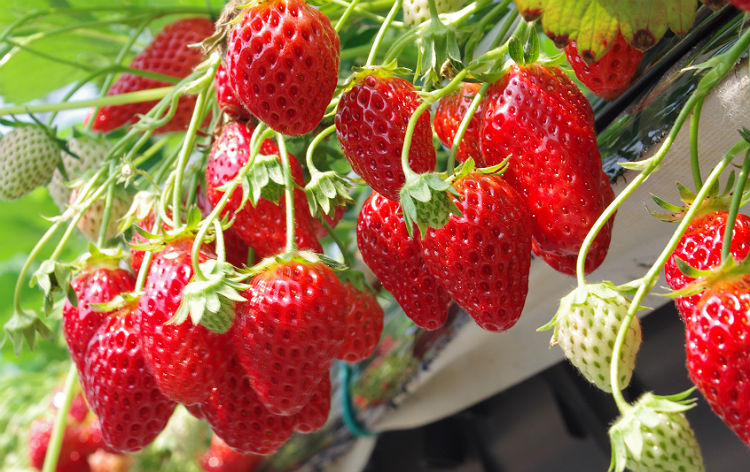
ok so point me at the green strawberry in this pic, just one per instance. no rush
(91, 220)
(28, 157)
(586, 326)
(654, 435)
(417, 11)
(90, 152)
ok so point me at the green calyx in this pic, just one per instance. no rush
(426, 201)
(385, 71)
(265, 179)
(716, 200)
(659, 417)
(327, 191)
(438, 47)
(524, 52)
(209, 300)
(582, 296)
(158, 240)
(728, 270)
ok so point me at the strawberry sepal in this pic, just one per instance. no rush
(327, 191)
(426, 202)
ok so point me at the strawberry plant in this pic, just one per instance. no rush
(224, 275)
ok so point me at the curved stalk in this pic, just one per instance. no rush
(120, 99)
(381, 33)
(58, 432)
(734, 207)
(291, 243)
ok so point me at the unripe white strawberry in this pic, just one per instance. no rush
(28, 157)
(417, 11)
(586, 326)
(654, 434)
(91, 221)
(90, 151)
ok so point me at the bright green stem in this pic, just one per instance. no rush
(58, 431)
(426, 103)
(433, 8)
(648, 280)
(739, 190)
(107, 210)
(342, 247)
(482, 24)
(694, 158)
(345, 16)
(291, 244)
(187, 147)
(381, 32)
(147, 256)
(311, 148)
(221, 254)
(27, 265)
(464, 126)
(706, 84)
(121, 99)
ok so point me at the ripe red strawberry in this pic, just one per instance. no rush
(700, 247)
(235, 249)
(98, 283)
(185, 359)
(537, 116)
(450, 111)
(237, 416)
(221, 458)
(717, 341)
(75, 449)
(482, 258)
(371, 123)
(741, 4)
(262, 227)
(167, 54)
(120, 389)
(315, 414)
(226, 97)
(364, 324)
(288, 332)
(396, 260)
(612, 73)
(283, 63)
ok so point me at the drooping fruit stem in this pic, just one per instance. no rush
(426, 103)
(58, 430)
(649, 280)
(345, 16)
(734, 207)
(120, 99)
(107, 210)
(291, 243)
(464, 126)
(695, 166)
(381, 33)
(314, 144)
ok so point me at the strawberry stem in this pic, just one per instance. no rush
(480, 26)
(694, 158)
(464, 126)
(107, 210)
(291, 243)
(381, 33)
(120, 99)
(58, 430)
(648, 280)
(739, 189)
(196, 120)
(313, 144)
(426, 103)
(220, 249)
(140, 282)
(345, 16)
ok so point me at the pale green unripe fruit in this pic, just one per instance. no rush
(90, 152)
(417, 11)
(28, 157)
(586, 326)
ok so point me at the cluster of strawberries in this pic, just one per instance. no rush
(551, 194)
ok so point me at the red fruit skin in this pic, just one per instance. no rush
(597, 252)
(185, 359)
(537, 116)
(98, 284)
(167, 54)
(226, 97)
(288, 332)
(717, 342)
(482, 258)
(315, 414)
(612, 74)
(371, 122)
(74, 451)
(741, 4)
(238, 417)
(450, 112)
(396, 260)
(700, 247)
(262, 227)
(364, 324)
(283, 62)
(120, 389)
(221, 458)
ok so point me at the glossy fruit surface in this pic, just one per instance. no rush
(448, 116)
